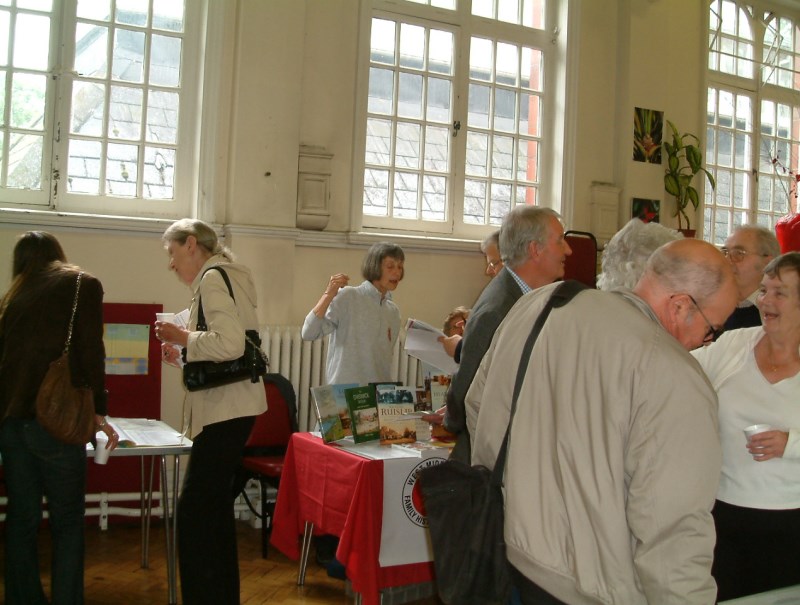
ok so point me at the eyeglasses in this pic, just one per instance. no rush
(713, 333)
(494, 264)
(738, 254)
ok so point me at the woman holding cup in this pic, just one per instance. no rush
(756, 373)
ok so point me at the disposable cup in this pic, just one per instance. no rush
(101, 454)
(755, 429)
(165, 317)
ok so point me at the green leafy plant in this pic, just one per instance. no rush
(684, 161)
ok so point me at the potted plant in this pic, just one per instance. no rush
(684, 161)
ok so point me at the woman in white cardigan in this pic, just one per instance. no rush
(756, 373)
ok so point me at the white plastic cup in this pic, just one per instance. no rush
(170, 317)
(101, 454)
(755, 429)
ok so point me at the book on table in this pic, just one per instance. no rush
(398, 423)
(363, 409)
(333, 414)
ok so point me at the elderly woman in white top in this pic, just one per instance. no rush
(221, 417)
(363, 321)
(756, 373)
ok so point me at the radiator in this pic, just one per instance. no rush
(303, 363)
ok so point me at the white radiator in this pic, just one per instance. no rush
(303, 363)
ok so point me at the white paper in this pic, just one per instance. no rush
(422, 342)
(181, 320)
(142, 432)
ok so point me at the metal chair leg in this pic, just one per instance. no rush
(265, 519)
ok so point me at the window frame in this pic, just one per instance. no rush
(552, 127)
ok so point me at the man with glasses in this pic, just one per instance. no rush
(749, 248)
(614, 455)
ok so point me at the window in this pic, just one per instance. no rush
(456, 107)
(753, 133)
(94, 105)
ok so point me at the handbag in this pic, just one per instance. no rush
(199, 375)
(465, 506)
(65, 411)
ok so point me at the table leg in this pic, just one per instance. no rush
(308, 531)
(149, 511)
(169, 535)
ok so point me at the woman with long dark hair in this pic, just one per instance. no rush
(34, 318)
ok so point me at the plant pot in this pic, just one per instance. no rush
(688, 232)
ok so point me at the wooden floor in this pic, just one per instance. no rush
(113, 574)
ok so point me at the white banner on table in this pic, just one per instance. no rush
(405, 538)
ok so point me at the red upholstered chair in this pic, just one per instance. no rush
(581, 265)
(266, 447)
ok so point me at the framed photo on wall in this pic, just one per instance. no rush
(648, 211)
(648, 129)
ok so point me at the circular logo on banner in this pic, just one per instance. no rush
(413, 506)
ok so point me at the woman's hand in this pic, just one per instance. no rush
(335, 283)
(102, 425)
(170, 355)
(436, 417)
(768, 445)
(168, 332)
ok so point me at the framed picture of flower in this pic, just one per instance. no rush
(645, 210)
(648, 128)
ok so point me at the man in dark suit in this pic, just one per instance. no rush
(749, 248)
(533, 250)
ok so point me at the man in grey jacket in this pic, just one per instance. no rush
(614, 455)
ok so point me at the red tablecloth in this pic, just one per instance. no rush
(341, 494)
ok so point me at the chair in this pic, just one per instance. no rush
(266, 447)
(581, 265)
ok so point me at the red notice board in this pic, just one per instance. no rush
(132, 396)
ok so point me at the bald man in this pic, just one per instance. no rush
(614, 455)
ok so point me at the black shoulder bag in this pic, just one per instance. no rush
(465, 508)
(199, 375)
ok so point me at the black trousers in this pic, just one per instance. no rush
(530, 593)
(756, 550)
(208, 558)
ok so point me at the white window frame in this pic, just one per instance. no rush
(460, 21)
(753, 209)
(54, 195)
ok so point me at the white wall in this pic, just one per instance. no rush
(292, 78)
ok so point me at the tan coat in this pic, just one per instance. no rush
(614, 454)
(223, 341)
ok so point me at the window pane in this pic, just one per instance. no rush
(507, 10)
(505, 102)
(407, 145)
(481, 59)
(168, 15)
(406, 188)
(382, 41)
(88, 103)
(97, 10)
(529, 114)
(507, 69)
(379, 138)
(527, 161)
(165, 61)
(440, 55)
(474, 202)
(122, 170)
(437, 152)
(533, 13)
(91, 42)
(128, 52)
(376, 192)
(502, 157)
(412, 46)
(381, 91)
(409, 93)
(132, 12)
(27, 101)
(159, 173)
(29, 52)
(162, 117)
(25, 161)
(5, 23)
(434, 198)
(40, 5)
(83, 168)
(439, 100)
(482, 8)
(500, 203)
(531, 76)
(125, 113)
(477, 154)
(478, 115)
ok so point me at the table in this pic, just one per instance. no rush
(183, 446)
(325, 489)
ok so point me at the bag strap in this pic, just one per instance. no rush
(201, 318)
(564, 293)
(72, 317)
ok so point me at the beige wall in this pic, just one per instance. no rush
(292, 81)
